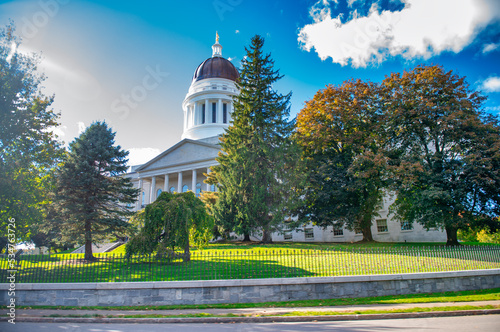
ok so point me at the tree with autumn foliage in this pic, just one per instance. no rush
(340, 135)
(445, 151)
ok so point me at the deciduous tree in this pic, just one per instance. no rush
(172, 221)
(29, 150)
(341, 136)
(446, 151)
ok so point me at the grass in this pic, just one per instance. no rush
(291, 313)
(463, 296)
(232, 245)
(247, 261)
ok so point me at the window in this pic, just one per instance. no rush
(212, 187)
(382, 226)
(202, 113)
(224, 113)
(185, 188)
(198, 189)
(406, 226)
(214, 112)
(288, 236)
(309, 233)
(143, 198)
(172, 190)
(337, 230)
(158, 192)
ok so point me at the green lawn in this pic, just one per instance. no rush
(238, 261)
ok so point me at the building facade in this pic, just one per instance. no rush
(207, 111)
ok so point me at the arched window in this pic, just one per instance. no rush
(214, 112)
(185, 188)
(198, 189)
(172, 190)
(158, 192)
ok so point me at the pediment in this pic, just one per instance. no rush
(185, 152)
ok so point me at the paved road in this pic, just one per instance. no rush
(442, 324)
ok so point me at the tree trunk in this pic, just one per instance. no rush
(187, 253)
(367, 234)
(88, 242)
(366, 229)
(246, 237)
(451, 235)
(266, 236)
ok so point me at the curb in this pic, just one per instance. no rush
(266, 319)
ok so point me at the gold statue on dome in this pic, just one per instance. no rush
(216, 37)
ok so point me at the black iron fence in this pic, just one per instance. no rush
(245, 264)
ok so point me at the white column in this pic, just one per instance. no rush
(219, 111)
(193, 108)
(193, 183)
(152, 195)
(179, 182)
(229, 112)
(165, 185)
(208, 185)
(186, 117)
(139, 200)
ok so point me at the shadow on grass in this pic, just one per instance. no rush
(152, 269)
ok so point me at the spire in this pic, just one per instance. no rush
(216, 48)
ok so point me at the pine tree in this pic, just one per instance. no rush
(91, 196)
(255, 175)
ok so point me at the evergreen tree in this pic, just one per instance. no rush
(255, 175)
(91, 196)
(29, 150)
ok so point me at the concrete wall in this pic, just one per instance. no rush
(249, 290)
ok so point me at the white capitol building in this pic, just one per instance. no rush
(207, 111)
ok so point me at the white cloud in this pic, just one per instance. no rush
(492, 84)
(493, 109)
(139, 156)
(490, 47)
(59, 131)
(81, 127)
(423, 28)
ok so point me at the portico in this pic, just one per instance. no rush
(179, 169)
(151, 186)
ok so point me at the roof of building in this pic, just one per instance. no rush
(216, 67)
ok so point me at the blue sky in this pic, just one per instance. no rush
(96, 53)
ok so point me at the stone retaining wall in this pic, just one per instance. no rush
(248, 290)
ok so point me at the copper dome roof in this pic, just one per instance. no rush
(216, 67)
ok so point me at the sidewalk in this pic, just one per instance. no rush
(247, 314)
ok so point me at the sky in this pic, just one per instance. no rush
(130, 63)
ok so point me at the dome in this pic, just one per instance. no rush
(216, 67)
